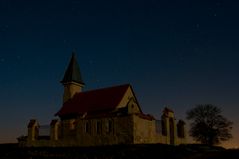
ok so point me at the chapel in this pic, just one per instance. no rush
(105, 116)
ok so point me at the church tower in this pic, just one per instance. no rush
(72, 80)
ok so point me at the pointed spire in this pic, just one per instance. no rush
(72, 73)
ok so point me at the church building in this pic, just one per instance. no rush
(106, 116)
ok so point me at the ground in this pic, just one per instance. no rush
(12, 151)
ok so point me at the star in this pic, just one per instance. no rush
(2, 60)
(4, 28)
(197, 26)
(18, 57)
(91, 62)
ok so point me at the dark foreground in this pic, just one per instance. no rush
(12, 151)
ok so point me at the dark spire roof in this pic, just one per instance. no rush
(72, 73)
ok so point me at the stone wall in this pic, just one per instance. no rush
(127, 129)
(105, 131)
(145, 131)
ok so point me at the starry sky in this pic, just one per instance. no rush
(173, 53)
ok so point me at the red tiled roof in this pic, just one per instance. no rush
(95, 100)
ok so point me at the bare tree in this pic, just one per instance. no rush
(208, 126)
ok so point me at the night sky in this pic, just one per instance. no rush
(175, 53)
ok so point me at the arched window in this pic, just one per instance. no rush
(98, 127)
(109, 126)
(87, 127)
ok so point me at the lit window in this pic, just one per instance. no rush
(72, 124)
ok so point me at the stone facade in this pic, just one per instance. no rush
(127, 129)
(107, 116)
